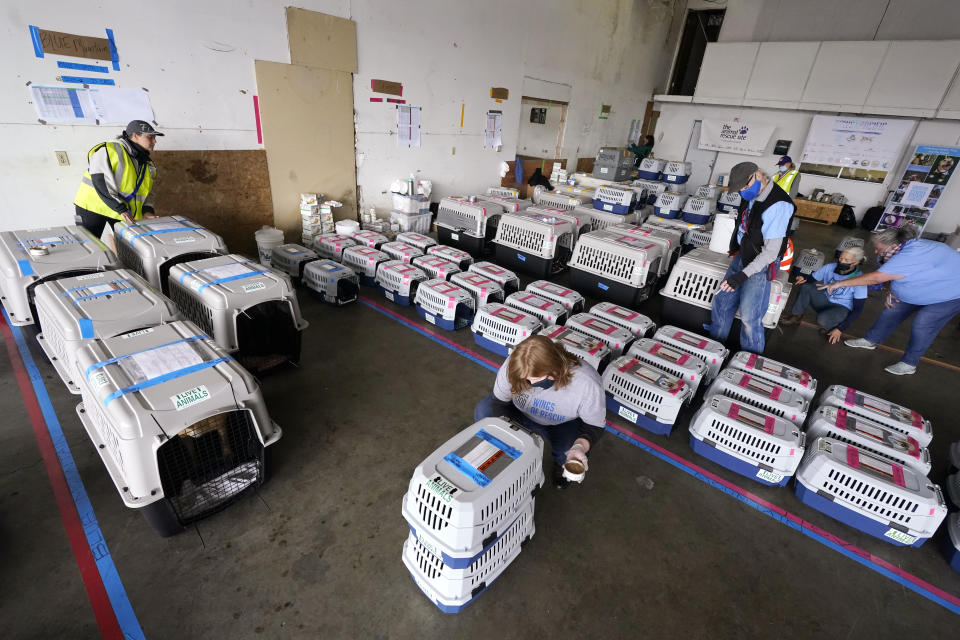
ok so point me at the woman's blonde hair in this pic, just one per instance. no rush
(536, 357)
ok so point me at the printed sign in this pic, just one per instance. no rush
(190, 397)
(918, 191)
(854, 148)
(735, 136)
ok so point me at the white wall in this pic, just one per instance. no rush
(676, 122)
(539, 139)
(196, 59)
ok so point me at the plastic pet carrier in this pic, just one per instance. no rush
(879, 410)
(453, 589)
(331, 245)
(809, 261)
(676, 172)
(180, 426)
(548, 311)
(665, 357)
(504, 277)
(613, 163)
(678, 226)
(669, 205)
(784, 375)
(848, 242)
(506, 205)
(545, 199)
(436, 267)
(633, 321)
(615, 199)
(417, 240)
(650, 169)
(749, 441)
(600, 220)
(670, 241)
(30, 258)
(647, 397)
(697, 210)
(570, 299)
(653, 189)
(729, 202)
(291, 259)
(503, 192)
(710, 351)
(589, 349)
(615, 337)
(839, 424)
(698, 237)
(400, 251)
(151, 247)
(695, 280)
(73, 311)
(364, 261)
(616, 266)
(459, 257)
(245, 307)
(759, 393)
(576, 190)
(482, 288)
(398, 281)
(876, 496)
(444, 304)
(331, 281)
(708, 191)
(467, 223)
(500, 328)
(535, 242)
(368, 238)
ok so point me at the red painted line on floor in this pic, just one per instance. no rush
(96, 592)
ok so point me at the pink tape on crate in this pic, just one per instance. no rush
(768, 423)
(851, 396)
(898, 475)
(853, 457)
(842, 418)
(775, 393)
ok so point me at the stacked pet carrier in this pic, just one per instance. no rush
(179, 425)
(500, 328)
(669, 240)
(616, 266)
(538, 241)
(613, 163)
(73, 311)
(600, 220)
(729, 202)
(653, 189)
(507, 279)
(247, 309)
(695, 280)
(363, 261)
(615, 199)
(398, 281)
(544, 198)
(444, 304)
(697, 210)
(591, 350)
(30, 258)
(468, 223)
(482, 288)
(470, 507)
(868, 465)
(676, 172)
(152, 247)
(650, 169)
(332, 282)
(292, 259)
(669, 205)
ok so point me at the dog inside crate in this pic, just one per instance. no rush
(267, 336)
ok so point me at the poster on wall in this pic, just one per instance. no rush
(918, 190)
(854, 148)
(735, 136)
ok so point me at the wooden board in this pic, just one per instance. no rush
(321, 40)
(225, 191)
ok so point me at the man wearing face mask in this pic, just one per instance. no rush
(757, 246)
(550, 392)
(837, 309)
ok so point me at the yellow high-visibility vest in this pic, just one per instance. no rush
(785, 181)
(133, 186)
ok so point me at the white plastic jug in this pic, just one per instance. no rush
(267, 238)
(723, 226)
(347, 227)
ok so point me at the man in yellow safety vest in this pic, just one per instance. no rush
(118, 180)
(787, 176)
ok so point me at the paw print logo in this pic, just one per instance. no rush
(743, 130)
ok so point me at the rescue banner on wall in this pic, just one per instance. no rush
(735, 136)
(914, 198)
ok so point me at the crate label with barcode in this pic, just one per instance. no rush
(255, 286)
(632, 416)
(138, 332)
(91, 276)
(769, 476)
(99, 379)
(190, 397)
(900, 536)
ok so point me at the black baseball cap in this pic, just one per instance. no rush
(141, 126)
(740, 175)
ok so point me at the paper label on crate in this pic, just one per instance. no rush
(900, 536)
(388, 296)
(430, 318)
(93, 290)
(184, 239)
(454, 236)
(99, 379)
(154, 363)
(157, 226)
(138, 332)
(632, 416)
(769, 476)
(254, 286)
(226, 270)
(189, 397)
(91, 276)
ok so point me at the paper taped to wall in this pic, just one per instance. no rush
(99, 105)
(408, 126)
(492, 133)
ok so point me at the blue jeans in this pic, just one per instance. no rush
(829, 314)
(752, 299)
(930, 319)
(560, 436)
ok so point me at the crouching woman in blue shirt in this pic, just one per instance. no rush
(924, 279)
(549, 391)
(835, 310)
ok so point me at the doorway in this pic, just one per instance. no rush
(542, 124)
(701, 160)
(699, 28)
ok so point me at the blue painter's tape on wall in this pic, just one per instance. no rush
(79, 80)
(113, 50)
(82, 67)
(37, 45)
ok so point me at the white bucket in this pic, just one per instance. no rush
(347, 227)
(267, 238)
(723, 226)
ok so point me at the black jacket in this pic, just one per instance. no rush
(752, 243)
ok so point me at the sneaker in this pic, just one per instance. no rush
(901, 369)
(861, 343)
(789, 321)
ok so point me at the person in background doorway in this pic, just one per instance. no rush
(550, 392)
(641, 150)
(787, 177)
(924, 279)
(836, 310)
(119, 179)
(757, 246)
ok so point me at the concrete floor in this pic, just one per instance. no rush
(316, 553)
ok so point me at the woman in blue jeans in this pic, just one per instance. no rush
(924, 279)
(546, 389)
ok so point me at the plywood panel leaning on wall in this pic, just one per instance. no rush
(321, 40)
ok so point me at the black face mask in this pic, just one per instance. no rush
(844, 269)
(546, 383)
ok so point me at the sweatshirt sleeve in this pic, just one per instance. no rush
(592, 412)
(501, 388)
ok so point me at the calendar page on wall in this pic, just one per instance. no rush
(863, 149)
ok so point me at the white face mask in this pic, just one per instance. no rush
(781, 169)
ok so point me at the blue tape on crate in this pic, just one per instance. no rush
(68, 292)
(26, 269)
(240, 276)
(37, 45)
(467, 469)
(507, 449)
(113, 50)
(155, 232)
(101, 294)
(86, 327)
(96, 68)
(81, 80)
(173, 375)
(104, 363)
(195, 271)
